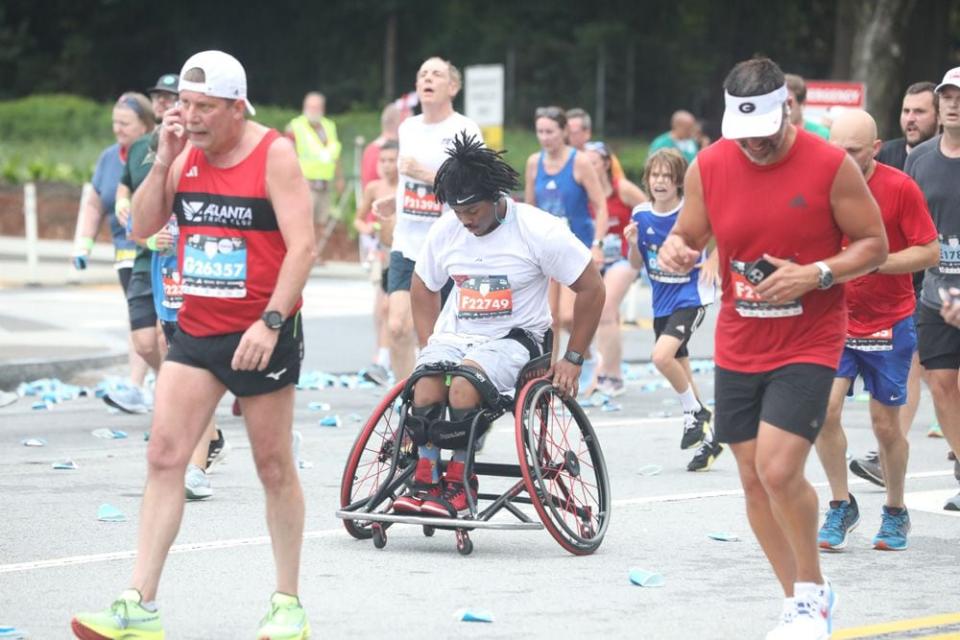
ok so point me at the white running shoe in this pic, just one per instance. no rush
(812, 616)
(127, 399)
(197, 484)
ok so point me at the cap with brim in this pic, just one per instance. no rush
(224, 77)
(167, 83)
(950, 79)
(753, 116)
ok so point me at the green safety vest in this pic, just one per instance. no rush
(318, 161)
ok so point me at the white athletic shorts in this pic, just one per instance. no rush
(501, 359)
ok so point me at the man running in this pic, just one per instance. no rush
(246, 247)
(501, 255)
(881, 340)
(936, 168)
(778, 201)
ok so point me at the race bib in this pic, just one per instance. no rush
(123, 258)
(657, 274)
(748, 303)
(949, 254)
(214, 267)
(880, 341)
(418, 200)
(484, 297)
(172, 284)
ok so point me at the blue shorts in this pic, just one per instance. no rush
(884, 366)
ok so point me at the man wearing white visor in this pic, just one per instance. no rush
(245, 249)
(780, 203)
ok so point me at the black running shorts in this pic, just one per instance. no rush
(143, 314)
(680, 324)
(793, 398)
(215, 353)
(937, 342)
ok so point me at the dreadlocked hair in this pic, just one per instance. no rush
(473, 170)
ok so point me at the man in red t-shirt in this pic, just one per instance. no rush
(881, 339)
(778, 201)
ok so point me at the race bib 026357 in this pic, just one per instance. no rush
(214, 267)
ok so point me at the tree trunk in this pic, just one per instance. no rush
(877, 55)
(599, 115)
(390, 58)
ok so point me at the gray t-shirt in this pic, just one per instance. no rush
(938, 177)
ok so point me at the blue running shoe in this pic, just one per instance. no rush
(842, 518)
(894, 528)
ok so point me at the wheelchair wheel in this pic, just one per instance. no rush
(563, 467)
(371, 459)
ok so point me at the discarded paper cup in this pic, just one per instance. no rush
(473, 615)
(647, 579)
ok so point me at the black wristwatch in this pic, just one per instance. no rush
(574, 358)
(273, 319)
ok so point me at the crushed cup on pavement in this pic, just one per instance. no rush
(648, 579)
(34, 442)
(473, 615)
(319, 406)
(39, 406)
(650, 470)
(330, 421)
(109, 513)
(723, 536)
(109, 434)
(12, 633)
(64, 465)
(611, 406)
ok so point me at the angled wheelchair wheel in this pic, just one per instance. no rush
(371, 462)
(563, 467)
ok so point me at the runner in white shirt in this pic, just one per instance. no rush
(501, 256)
(424, 140)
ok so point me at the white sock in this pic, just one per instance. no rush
(383, 357)
(150, 606)
(689, 401)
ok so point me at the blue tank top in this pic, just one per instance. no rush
(561, 195)
(671, 291)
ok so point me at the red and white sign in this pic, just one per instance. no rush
(824, 94)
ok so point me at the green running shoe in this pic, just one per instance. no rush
(126, 619)
(286, 621)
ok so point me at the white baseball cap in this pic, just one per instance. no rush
(224, 77)
(753, 116)
(950, 79)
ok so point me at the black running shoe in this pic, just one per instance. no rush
(868, 469)
(704, 457)
(217, 450)
(695, 427)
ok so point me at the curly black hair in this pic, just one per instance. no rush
(473, 173)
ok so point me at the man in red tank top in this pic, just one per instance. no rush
(778, 201)
(881, 340)
(246, 247)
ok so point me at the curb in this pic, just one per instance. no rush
(17, 371)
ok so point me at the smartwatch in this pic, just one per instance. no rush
(825, 279)
(273, 319)
(574, 357)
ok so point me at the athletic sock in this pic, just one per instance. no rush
(150, 606)
(432, 454)
(460, 455)
(689, 401)
(383, 357)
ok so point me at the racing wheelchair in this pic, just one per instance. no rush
(561, 471)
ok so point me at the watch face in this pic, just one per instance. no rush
(273, 319)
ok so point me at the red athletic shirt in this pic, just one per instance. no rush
(368, 161)
(782, 210)
(619, 215)
(876, 302)
(230, 248)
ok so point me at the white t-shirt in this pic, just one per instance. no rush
(417, 209)
(501, 278)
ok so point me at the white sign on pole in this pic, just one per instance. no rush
(483, 94)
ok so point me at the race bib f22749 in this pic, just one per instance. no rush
(748, 303)
(214, 267)
(419, 201)
(949, 254)
(483, 297)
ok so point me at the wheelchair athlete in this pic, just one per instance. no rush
(501, 256)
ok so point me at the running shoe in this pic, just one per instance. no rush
(611, 387)
(894, 528)
(127, 399)
(376, 374)
(217, 450)
(812, 617)
(286, 620)
(868, 468)
(452, 503)
(423, 487)
(695, 427)
(953, 504)
(705, 456)
(125, 619)
(842, 517)
(197, 484)
(935, 431)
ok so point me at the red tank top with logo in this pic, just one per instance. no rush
(230, 246)
(783, 210)
(619, 215)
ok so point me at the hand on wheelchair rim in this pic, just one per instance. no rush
(566, 377)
